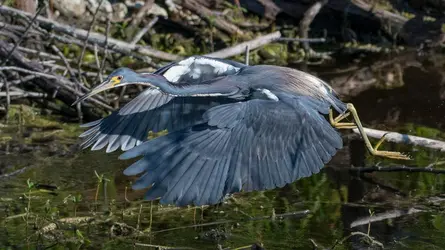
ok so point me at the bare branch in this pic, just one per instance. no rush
(23, 94)
(208, 15)
(65, 61)
(79, 64)
(63, 82)
(141, 13)
(403, 138)
(142, 32)
(383, 216)
(241, 48)
(14, 173)
(302, 40)
(114, 44)
(23, 36)
(428, 169)
(102, 65)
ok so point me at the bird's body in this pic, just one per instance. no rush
(231, 127)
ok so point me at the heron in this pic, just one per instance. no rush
(231, 128)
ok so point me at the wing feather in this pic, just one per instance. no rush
(261, 145)
(150, 111)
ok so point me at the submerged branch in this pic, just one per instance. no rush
(402, 168)
(16, 172)
(383, 216)
(298, 214)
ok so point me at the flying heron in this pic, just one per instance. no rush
(231, 127)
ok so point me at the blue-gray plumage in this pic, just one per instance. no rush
(231, 127)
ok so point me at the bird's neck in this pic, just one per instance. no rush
(186, 89)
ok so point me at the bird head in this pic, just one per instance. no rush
(118, 78)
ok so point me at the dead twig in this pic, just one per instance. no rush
(65, 61)
(142, 32)
(70, 70)
(23, 36)
(384, 16)
(241, 48)
(383, 216)
(104, 59)
(370, 239)
(82, 54)
(22, 93)
(298, 214)
(160, 247)
(113, 44)
(63, 83)
(14, 173)
(302, 40)
(208, 15)
(305, 23)
(141, 13)
(8, 97)
(402, 168)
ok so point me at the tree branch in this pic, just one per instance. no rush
(114, 44)
(208, 15)
(403, 138)
(402, 168)
(241, 48)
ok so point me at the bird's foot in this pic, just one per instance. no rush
(388, 154)
(336, 122)
(391, 155)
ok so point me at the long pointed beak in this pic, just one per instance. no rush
(101, 87)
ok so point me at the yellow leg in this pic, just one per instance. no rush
(373, 150)
(341, 125)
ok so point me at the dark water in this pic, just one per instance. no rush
(396, 210)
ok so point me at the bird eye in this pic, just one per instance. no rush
(119, 78)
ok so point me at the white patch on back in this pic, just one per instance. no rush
(269, 94)
(196, 67)
(219, 67)
(174, 73)
(196, 73)
(188, 61)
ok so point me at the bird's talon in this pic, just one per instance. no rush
(335, 122)
(391, 155)
(345, 126)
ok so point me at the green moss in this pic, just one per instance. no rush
(175, 44)
(125, 61)
(22, 116)
(89, 58)
(274, 53)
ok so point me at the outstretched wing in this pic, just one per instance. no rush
(253, 145)
(156, 111)
(150, 111)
